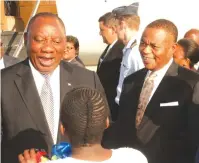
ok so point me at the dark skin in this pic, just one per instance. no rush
(192, 34)
(46, 44)
(156, 48)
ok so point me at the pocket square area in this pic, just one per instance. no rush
(169, 104)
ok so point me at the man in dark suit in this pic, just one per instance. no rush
(159, 106)
(33, 90)
(6, 60)
(108, 68)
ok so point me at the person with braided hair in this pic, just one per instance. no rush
(84, 118)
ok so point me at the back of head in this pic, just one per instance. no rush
(43, 15)
(192, 34)
(167, 26)
(84, 114)
(191, 50)
(108, 19)
(189, 46)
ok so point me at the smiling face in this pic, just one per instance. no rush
(45, 44)
(70, 52)
(156, 48)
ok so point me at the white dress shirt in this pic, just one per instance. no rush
(2, 66)
(159, 76)
(196, 66)
(131, 62)
(55, 86)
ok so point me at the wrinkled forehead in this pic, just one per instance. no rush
(158, 34)
(42, 22)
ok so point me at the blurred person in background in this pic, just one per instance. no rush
(72, 51)
(108, 68)
(6, 60)
(192, 34)
(187, 53)
(128, 22)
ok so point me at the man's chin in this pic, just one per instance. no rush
(149, 67)
(46, 70)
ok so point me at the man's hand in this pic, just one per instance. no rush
(29, 156)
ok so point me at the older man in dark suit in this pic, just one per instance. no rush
(108, 68)
(33, 90)
(159, 106)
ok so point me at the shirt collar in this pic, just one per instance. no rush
(36, 72)
(130, 42)
(1, 60)
(196, 66)
(164, 69)
(2, 63)
(113, 43)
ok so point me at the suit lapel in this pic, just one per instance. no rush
(66, 84)
(147, 127)
(102, 57)
(27, 88)
(140, 82)
(65, 79)
(172, 71)
(160, 91)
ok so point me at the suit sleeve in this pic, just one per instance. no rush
(193, 116)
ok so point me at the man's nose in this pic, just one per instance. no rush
(48, 47)
(146, 49)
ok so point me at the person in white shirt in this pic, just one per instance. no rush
(127, 29)
(84, 117)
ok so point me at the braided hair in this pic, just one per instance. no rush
(83, 115)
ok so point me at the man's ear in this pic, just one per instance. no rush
(113, 29)
(123, 24)
(107, 123)
(173, 49)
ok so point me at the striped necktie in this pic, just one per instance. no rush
(144, 97)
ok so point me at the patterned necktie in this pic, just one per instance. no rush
(47, 102)
(144, 97)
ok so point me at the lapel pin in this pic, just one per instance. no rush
(69, 84)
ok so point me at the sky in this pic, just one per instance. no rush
(81, 17)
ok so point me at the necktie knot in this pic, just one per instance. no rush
(152, 76)
(46, 76)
